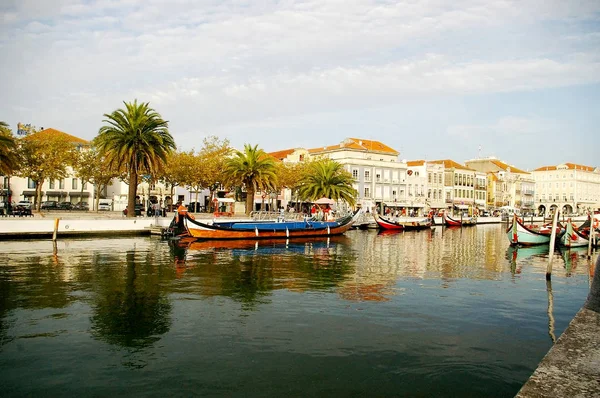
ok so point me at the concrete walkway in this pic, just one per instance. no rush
(572, 366)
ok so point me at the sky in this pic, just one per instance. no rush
(433, 79)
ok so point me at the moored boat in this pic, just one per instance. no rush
(455, 222)
(520, 234)
(400, 224)
(268, 230)
(577, 237)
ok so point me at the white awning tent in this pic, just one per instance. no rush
(462, 207)
(225, 200)
(396, 204)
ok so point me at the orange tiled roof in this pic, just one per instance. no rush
(449, 164)
(280, 155)
(50, 132)
(505, 167)
(570, 166)
(413, 163)
(358, 144)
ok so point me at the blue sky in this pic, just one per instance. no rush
(433, 79)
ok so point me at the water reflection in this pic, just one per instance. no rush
(250, 271)
(130, 308)
(390, 310)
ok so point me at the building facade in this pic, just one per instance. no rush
(507, 186)
(464, 188)
(573, 188)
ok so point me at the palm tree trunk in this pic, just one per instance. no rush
(249, 200)
(131, 194)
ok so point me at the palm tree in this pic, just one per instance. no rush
(8, 157)
(137, 140)
(253, 169)
(327, 178)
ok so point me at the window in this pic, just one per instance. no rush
(61, 184)
(429, 178)
(377, 177)
(301, 158)
(51, 184)
(367, 192)
(84, 185)
(30, 183)
(355, 174)
(74, 183)
(367, 175)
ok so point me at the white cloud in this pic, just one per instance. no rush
(225, 64)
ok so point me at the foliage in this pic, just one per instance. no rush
(46, 157)
(253, 169)
(8, 147)
(136, 139)
(174, 171)
(212, 159)
(90, 168)
(327, 178)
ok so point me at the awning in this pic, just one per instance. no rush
(226, 200)
(79, 194)
(462, 207)
(56, 193)
(30, 193)
(395, 204)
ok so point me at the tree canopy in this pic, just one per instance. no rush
(252, 169)
(137, 139)
(327, 178)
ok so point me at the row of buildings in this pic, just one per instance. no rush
(380, 178)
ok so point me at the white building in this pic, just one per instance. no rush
(379, 175)
(571, 187)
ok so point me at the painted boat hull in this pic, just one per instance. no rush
(271, 230)
(452, 222)
(402, 225)
(519, 234)
(574, 238)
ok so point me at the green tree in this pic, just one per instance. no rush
(327, 178)
(213, 156)
(253, 169)
(45, 156)
(8, 147)
(90, 168)
(137, 139)
(174, 172)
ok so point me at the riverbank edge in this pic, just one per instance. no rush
(572, 366)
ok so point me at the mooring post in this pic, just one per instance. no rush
(55, 229)
(591, 236)
(552, 242)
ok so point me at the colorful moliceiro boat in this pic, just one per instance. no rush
(459, 222)
(520, 234)
(577, 237)
(400, 224)
(268, 229)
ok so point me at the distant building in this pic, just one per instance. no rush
(431, 177)
(464, 187)
(571, 187)
(506, 185)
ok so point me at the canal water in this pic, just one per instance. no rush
(442, 312)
